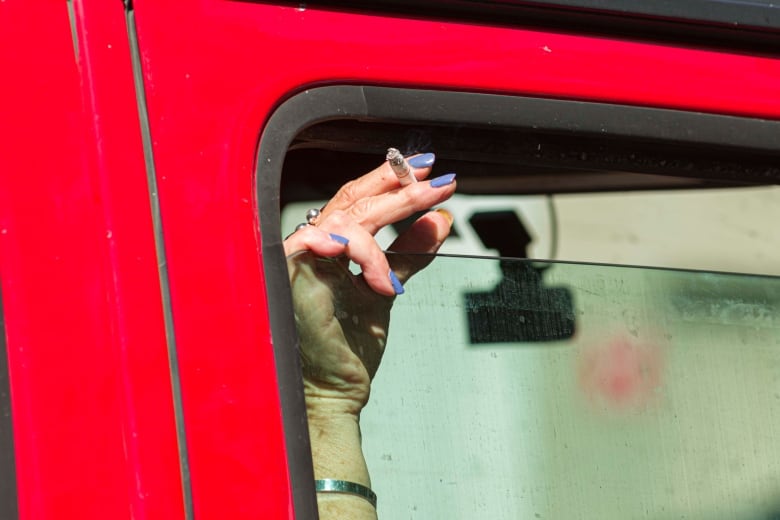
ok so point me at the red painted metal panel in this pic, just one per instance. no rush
(210, 88)
(92, 407)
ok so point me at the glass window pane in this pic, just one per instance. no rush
(517, 389)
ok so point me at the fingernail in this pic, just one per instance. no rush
(340, 239)
(397, 287)
(425, 160)
(446, 214)
(444, 180)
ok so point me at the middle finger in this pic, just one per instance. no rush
(364, 251)
(376, 182)
(375, 212)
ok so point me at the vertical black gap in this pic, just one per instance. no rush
(73, 32)
(8, 500)
(159, 240)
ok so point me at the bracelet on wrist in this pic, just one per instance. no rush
(329, 485)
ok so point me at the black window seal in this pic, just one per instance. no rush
(756, 14)
(8, 490)
(367, 103)
(761, 14)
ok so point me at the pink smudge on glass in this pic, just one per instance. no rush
(621, 374)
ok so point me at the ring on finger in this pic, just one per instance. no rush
(311, 219)
(312, 215)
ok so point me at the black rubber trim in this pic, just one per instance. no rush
(369, 103)
(463, 108)
(291, 117)
(753, 13)
(8, 493)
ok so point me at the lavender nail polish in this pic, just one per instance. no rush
(340, 239)
(397, 287)
(425, 160)
(443, 180)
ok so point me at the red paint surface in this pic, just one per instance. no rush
(92, 408)
(210, 89)
(91, 391)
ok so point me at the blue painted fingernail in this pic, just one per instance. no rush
(340, 239)
(425, 160)
(397, 287)
(444, 180)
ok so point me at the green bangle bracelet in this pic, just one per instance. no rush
(329, 485)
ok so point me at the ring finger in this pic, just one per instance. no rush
(364, 251)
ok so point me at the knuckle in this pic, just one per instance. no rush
(380, 260)
(348, 193)
(338, 218)
(361, 209)
(419, 194)
(309, 233)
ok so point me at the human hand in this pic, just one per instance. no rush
(343, 318)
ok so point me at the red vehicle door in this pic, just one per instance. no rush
(152, 370)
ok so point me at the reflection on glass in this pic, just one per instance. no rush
(655, 394)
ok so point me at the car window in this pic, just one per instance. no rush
(537, 178)
(523, 389)
(726, 229)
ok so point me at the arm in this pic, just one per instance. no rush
(343, 319)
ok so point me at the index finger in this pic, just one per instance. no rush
(378, 181)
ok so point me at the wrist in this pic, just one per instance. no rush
(340, 500)
(337, 454)
(336, 448)
(329, 399)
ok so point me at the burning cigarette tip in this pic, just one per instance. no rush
(400, 166)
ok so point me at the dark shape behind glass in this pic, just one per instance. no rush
(520, 308)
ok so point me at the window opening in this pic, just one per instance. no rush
(339, 132)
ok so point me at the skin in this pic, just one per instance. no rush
(341, 356)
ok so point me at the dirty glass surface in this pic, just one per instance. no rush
(519, 389)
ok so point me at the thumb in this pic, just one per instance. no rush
(424, 238)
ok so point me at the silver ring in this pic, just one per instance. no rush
(311, 218)
(297, 228)
(330, 485)
(312, 215)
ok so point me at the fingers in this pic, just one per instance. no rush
(364, 251)
(377, 211)
(328, 238)
(317, 240)
(348, 222)
(426, 235)
(378, 181)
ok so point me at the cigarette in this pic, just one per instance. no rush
(400, 166)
